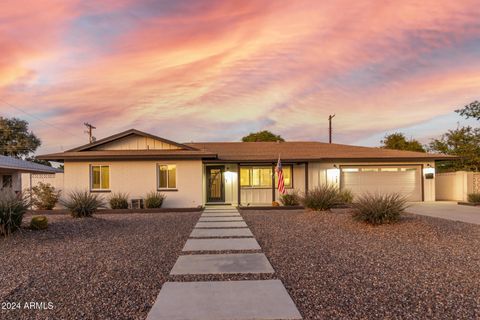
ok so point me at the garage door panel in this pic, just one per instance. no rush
(362, 180)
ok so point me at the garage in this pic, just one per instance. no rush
(405, 180)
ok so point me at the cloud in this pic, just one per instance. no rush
(214, 70)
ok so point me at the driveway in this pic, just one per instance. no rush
(446, 210)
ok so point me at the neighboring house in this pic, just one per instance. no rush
(11, 170)
(195, 174)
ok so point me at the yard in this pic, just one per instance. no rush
(111, 266)
(337, 268)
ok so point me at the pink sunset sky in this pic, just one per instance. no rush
(217, 70)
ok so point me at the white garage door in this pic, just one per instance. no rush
(405, 180)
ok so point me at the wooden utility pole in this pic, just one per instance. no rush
(90, 131)
(330, 117)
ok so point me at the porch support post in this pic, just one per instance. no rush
(306, 176)
(273, 182)
(239, 193)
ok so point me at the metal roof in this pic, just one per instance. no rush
(25, 166)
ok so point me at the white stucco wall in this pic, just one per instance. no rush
(137, 178)
(455, 186)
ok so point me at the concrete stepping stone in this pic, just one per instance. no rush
(219, 219)
(222, 263)
(208, 233)
(221, 214)
(222, 224)
(221, 300)
(221, 244)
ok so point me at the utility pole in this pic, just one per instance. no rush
(89, 131)
(330, 117)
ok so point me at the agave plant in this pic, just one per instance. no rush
(83, 203)
(12, 208)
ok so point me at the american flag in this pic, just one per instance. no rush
(279, 171)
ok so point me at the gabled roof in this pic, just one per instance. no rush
(307, 150)
(25, 166)
(127, 133)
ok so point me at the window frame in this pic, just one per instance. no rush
(251, 186)
(168, 174)
(92, 189)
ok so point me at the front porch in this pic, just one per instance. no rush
(250, 184)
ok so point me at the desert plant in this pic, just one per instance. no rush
(379, 208)
(39, 223)
(290, 199)
(345, 196)
(44, 196)
(12, 208)
(83, 203)
(322, 198)
(154, 199)
(119, 201)
(474, 197)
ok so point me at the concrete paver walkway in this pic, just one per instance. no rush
(225, 300)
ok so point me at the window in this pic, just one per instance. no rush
(100, 177)
(7, 181)
(167, 176)
(261, 177)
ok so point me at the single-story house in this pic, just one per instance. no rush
(11, 170)
(239, 173)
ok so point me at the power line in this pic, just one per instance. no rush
(37, 118)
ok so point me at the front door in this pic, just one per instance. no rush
(215, 186)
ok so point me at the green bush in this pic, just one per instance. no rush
(345, 196)
(154, 199)
(83, 203)
(379, 208)
(321, 198)
(12, 208)
(44, 196)
(39, 223)
(119, 201)
(290, 199)
(474, 197)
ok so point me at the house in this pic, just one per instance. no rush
(14, 171)
(239, 173)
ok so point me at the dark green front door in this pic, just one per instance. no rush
(215, 186)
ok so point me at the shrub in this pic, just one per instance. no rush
(44, 196)
(290, 199)
(119, 201)
(83, 203)
(474, 197)
(12, 208)
(154, 200)
(39, 223)
(345, 196)
(321, 198)
(379, 208)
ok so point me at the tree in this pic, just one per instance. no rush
(15, 139)
(264, 135)
(471, 110)
(463, 142)
(398, 141)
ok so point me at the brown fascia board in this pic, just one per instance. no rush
(60, 157)
(125, 134)
(418, 159)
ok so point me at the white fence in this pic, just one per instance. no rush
(455, 186)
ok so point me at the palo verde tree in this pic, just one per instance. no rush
(398, 141)
(261, 136)
(15, 138)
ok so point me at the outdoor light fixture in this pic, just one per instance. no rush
(429, 172)
(229, 176)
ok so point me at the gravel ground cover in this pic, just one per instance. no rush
(338, 268)
(108, 267)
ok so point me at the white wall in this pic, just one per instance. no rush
(137, 178)
(455, 186)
